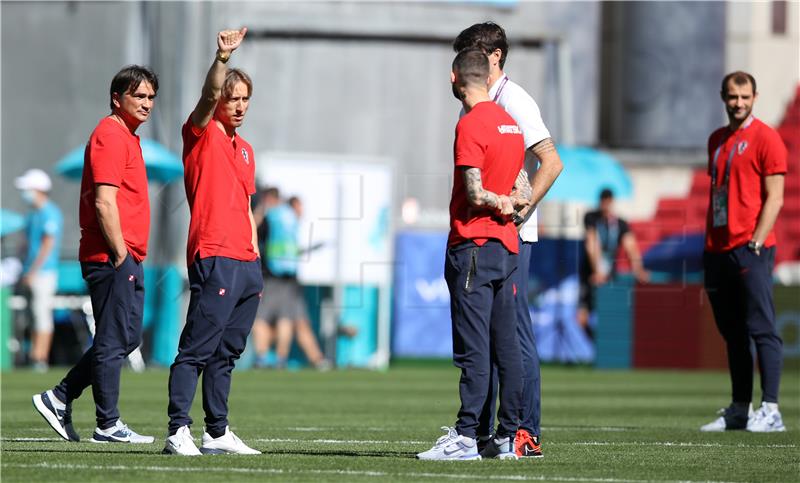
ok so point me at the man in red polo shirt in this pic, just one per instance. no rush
(481, 259)
(115, 222)
(222, 255)
(747, 164)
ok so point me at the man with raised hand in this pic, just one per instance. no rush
(490, 38)
(222, 256)
(114, 215)
(479, 267)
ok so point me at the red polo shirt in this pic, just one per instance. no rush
(759, 152)
(486, 138)
(219, 176)
(113, 156)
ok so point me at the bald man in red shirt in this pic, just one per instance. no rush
(221, 254)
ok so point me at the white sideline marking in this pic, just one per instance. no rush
(572, 443)
(412, 442)
(278, 471)
(607, 429)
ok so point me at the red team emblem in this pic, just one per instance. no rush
(222, 291)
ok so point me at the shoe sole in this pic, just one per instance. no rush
(51, 419)
(94, 439)
(468, 458)
(212, 451)
(168, 451)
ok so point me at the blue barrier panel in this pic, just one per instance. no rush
(614, 331)
(361, 313)
(421, 312)
(166, 283)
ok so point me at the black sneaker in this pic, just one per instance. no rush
(58, 419)
(482, 441)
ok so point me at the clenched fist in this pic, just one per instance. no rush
(229, 40)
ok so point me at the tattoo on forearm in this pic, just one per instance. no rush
(475, 191)
(522, 186)
(543, 147)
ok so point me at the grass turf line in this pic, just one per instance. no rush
(598, 426)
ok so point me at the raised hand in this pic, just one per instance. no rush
(229, 40)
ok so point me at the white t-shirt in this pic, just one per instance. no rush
(521, 106)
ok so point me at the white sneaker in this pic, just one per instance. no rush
(181, 443)
(228, 443)
(119, 433)
(766, 421)
(452, 446)
(729, 418)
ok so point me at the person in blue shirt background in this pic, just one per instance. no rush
(43, 233)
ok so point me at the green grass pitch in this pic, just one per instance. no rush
(598, 426)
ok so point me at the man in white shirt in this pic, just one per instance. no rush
(541, 151)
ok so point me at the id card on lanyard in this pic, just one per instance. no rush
(719, 194)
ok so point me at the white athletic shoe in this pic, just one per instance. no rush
(228, 443)
(766, 421)
(119, 433)
(729, 418)
(452, 446)
(181, 443)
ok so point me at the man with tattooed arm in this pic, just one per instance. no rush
(480, 263)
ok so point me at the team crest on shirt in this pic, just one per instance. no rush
(741, 147)
(245, 156)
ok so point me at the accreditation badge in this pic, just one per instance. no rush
(719, 205)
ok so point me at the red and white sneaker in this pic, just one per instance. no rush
(527, 446)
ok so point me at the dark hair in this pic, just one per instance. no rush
(486, 36)
(293, 200)
(272, 191)
(606, 194)
(128, 80)
(471, 67)
(739, 78)
(234, 76)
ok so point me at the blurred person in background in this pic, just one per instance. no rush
(481, 258)
(221, 255)
(534, 183)
(747, 162)
(605, 233)
(43, 232)
(115, 224)
(282, 312)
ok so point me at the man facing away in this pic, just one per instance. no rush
(43, 231)
(747, 164)
(480, 263)
(222, 256)
(490, 38)
(115, 222)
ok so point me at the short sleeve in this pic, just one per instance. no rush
(521, 106)
(251, 181)
(52, 223)
(470, 145)
(191, 133)
(773, 154)
(623, 228)
(712, 145)
(108, 156)
(590, 220)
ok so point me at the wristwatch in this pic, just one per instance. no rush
(223, 56)
(754, 247)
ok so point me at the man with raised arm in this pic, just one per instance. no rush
(222, 256)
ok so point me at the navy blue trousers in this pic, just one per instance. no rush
(117, 303)
(530, 405)
(222, 306)
(483, 313)
(739, 286)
